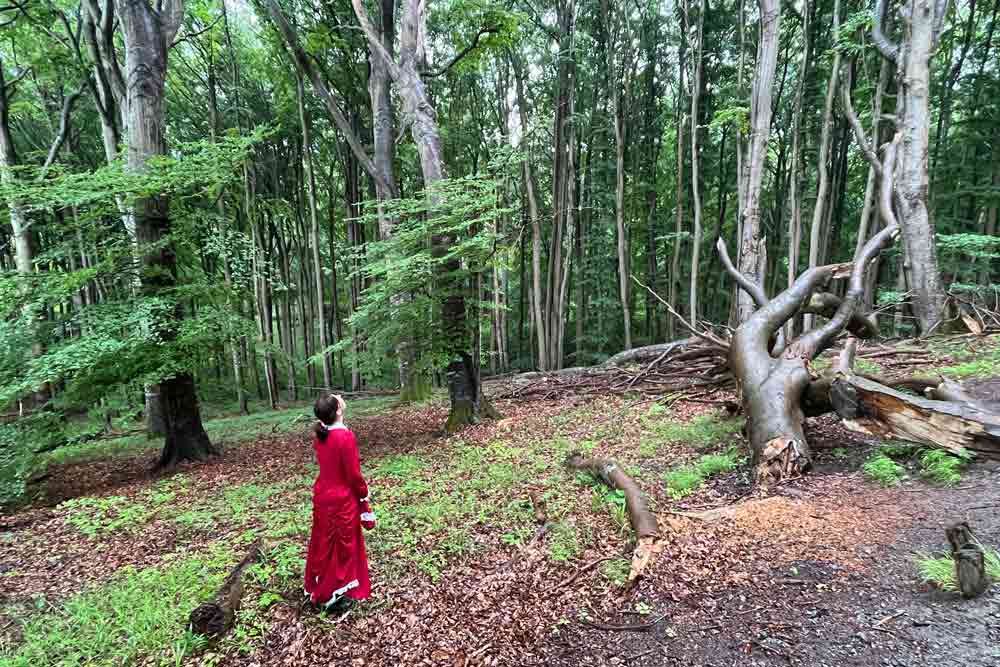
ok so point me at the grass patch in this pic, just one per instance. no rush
(616, 571)
(685, 480)
(883, 470)
(898, 450)
(139, 614)
(940, 570)
(700, 432)
(941, 467)
(978, 363)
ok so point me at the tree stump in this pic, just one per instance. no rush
(970, 565)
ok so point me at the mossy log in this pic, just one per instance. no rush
(215, 617)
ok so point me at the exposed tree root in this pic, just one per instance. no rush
(644, 524)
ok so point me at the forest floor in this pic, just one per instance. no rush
(818, 571)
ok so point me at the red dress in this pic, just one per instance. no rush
(336, 564)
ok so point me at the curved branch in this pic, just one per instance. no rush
(813, 342)
(885, 193)
(826, 304)
(464, 52)
(374, 43)
(332, 102)
(882, 43)
(755, 291)
(859, 131)
(63, 127)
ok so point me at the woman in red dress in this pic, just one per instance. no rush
(336, 564)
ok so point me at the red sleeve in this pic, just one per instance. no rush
(353, 461)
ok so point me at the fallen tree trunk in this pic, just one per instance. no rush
(214, 618)
(872, 408)
(639, 355)
(643, 522)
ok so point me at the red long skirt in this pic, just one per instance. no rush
(336, 564)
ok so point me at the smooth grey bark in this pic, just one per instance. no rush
(148, 32)
(468, 404)
(698, 31)
(820, 209)
(922, 25)
(751, 260)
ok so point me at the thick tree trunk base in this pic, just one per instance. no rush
(468, 405)
(186, 439)
(215, 617)
(874, 409)
(156, 424)
(643, 522)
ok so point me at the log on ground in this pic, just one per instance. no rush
(875, 409)
(215, 617)
(643, 522)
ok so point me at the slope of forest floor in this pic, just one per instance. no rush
(820, 571)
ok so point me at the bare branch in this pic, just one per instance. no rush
(332, 102)
(845, 362)
(374, 42)
(197, 33)
(827, 304)
(882, 43)
(859, 131)
(705, 335)
(755, 291)
(172, 18)
(57, 143)
(885, 193)
(464, 52)
(813, 342)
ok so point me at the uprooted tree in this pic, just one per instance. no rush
(776, 386)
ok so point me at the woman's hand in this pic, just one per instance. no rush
(367, 516)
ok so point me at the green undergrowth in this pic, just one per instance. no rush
(686, 479)
(883, 470)
(444, 505)
(701, 432)
(940, 570)
(982, 361)
(935, 465)
(138, 617)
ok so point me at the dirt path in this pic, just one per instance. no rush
(820, 613)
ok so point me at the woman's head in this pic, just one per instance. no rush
(329, 409)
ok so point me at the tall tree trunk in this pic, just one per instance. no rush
(922, 29)
(795, 179)
(148, 34)
(468, 404)
(752, 252)
(695, 169)
(324, 341)
(536, 225)
(822, 162)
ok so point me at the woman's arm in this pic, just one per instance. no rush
(354, 478)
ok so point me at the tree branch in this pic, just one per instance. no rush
(859, 131)
(464, 52)
(940, 12)
(332, 102)
(827, 304)
(755, 291)
(882, 43)
(374, 43)
(886, 190)
(60, 138)
(172, 18)
(197, 33)
(813, 342)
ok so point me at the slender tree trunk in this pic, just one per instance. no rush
(752, 252)
(695, 168)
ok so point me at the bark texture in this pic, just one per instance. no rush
(215, 617)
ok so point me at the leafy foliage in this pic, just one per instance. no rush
(883, 470)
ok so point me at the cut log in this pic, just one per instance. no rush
(215, 617)
(875, 409)
(643, 522)
(970, 566)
